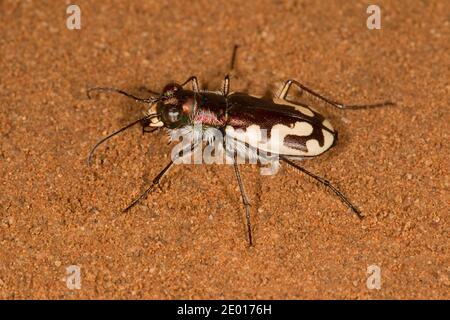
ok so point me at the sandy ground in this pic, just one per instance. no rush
(188, 240)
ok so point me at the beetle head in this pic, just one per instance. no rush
(173, 107)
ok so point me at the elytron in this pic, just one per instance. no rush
(301, 132)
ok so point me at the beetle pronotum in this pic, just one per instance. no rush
(302, 132)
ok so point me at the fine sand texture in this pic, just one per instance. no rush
(188, 238)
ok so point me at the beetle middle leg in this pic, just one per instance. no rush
(244, 200)
(148, 129)
(226, 81)
(290, 82)
(226, 86)
(195, 86)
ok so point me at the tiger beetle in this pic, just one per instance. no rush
(302, 132)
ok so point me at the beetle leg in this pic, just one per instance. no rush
(233, 57)
(287, 85)
(155, 182)
(327, 184)
(148, 129)
(244, 200)
(226, 81)
(150, 189)
(195, 86)
(226, 85)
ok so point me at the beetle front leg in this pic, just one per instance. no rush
(287, 86)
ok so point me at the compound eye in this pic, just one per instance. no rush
(170, 89)
(172, 114)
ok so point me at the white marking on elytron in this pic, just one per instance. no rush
(257, 139)
(279, 133)
(297, 107)
(306, 111)
(313, 146)
(327, 124)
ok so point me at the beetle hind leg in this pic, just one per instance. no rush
(284, 92)
(327, 184)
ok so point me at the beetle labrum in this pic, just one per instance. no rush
(302, 132)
